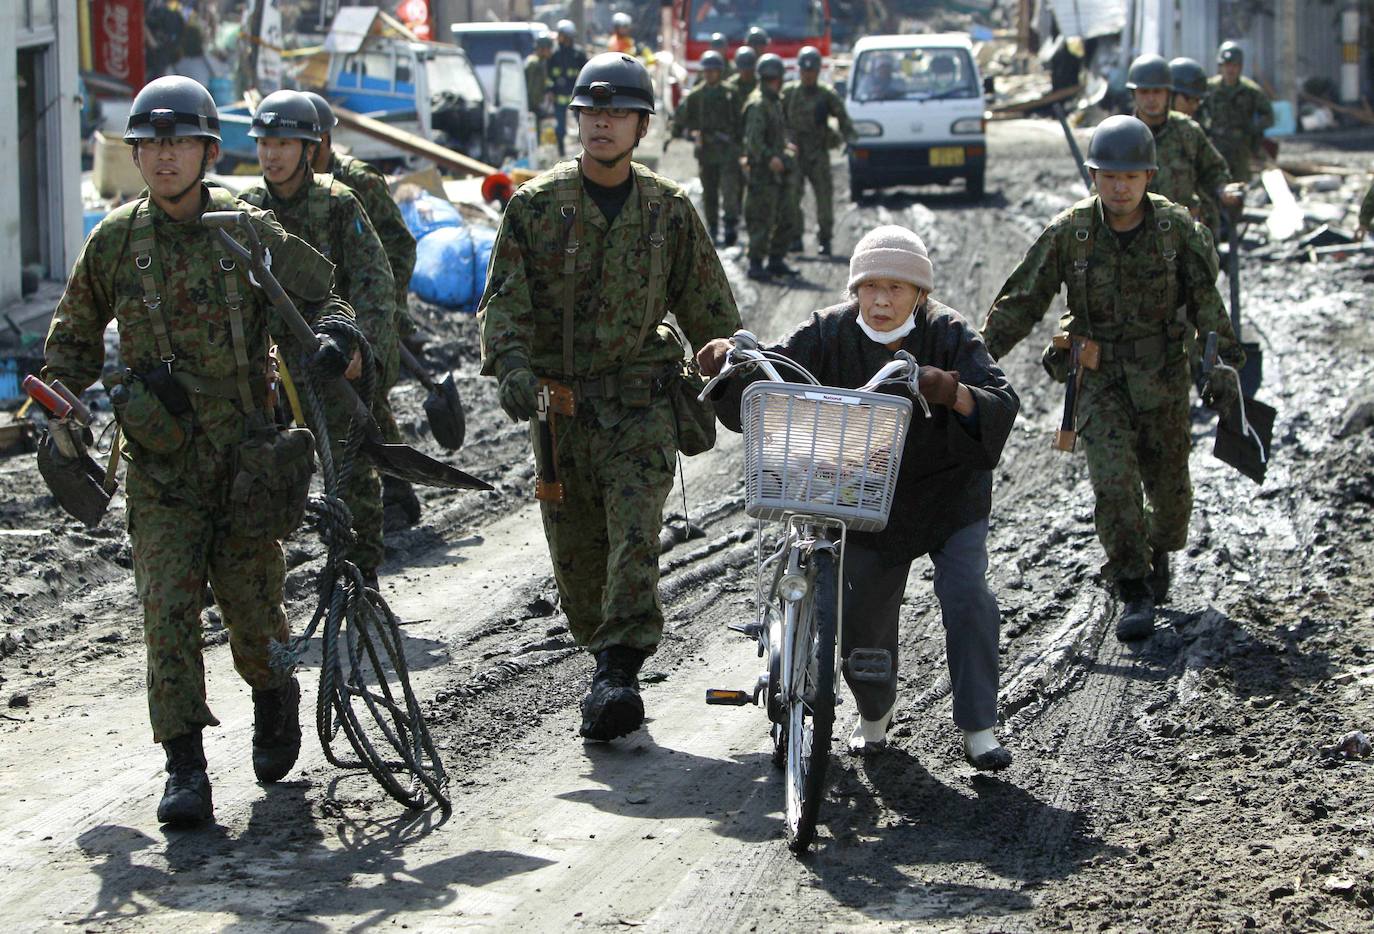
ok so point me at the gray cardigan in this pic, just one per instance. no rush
(946, 478)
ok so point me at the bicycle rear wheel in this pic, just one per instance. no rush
(810, 702)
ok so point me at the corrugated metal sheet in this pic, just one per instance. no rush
(1089, 18)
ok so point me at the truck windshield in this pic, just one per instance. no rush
(784, 19)
(914, 74)
(451, 72)
(482, 45)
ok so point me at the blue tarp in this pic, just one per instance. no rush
(451, 266)
(427, 213)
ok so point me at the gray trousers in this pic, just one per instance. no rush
(873, 596)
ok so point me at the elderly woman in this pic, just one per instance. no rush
(944, 490)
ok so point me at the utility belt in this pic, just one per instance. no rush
(1142, 349)
(635, 386)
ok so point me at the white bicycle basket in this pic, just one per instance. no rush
(822, 451)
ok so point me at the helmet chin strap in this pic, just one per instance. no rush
(200, 177)
(302, 167)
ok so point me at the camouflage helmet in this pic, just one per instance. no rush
(286, 115)
(719, 42)
(1189, 78)
(712, 60)
(172, 106)
(614, 79)
(770, 67)
(809, 58)
(323, 111)
(746, 58)
(757, 37)
(1149, 72)
(1230, 51)
(1121, 144)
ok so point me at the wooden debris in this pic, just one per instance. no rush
(443, 156)
(1019, 108)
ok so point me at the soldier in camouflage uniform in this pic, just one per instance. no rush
(807, 105)
(772, 159)
(710, 113)
(589, 259)
(1140, 275)
(1239, 111)
(537, 76)
(741, 84)
(369, 186)
(325, 214)
(719, 45)
(189, 317)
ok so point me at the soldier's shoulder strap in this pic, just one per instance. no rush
(1171, 223)
(567, 202)
(1081, 230)
(651, 201)
(318, 202)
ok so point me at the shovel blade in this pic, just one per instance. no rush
(444, 410)
(1238, 449)
(403, 461)
(78, 486)
(1252, 374)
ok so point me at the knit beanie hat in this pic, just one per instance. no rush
(891, 252)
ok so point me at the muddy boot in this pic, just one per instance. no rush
(777, 266)
(1159, 575)
(613, 706)
(400, 505)
(757, 272)
(731, 234)
(823, 248)
(870, 736)
(984, 752)
(276, 731)
(1137, 620)
(186, 796)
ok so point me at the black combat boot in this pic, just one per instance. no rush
(276, 731)
(777, 266)
(186, 796)
(1137, 620)
(757, 272)
(613, 706)
(796, 246)
(731, 233)
(400, 505)
(823, 247)
(1159, 575)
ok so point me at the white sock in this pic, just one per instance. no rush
(977, 742)
(872, 731)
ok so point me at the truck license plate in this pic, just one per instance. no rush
(947, 155)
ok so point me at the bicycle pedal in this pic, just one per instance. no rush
(724, 697)
(869, 665)
(752, 630)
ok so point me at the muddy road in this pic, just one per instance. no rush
(1183, 783)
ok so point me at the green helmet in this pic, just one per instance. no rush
(1189, 78)
(286, 115)
(718, 41)
(614, 79)
(323, 111)
(809, 58)
(1121, 144)
(1230, 51)
(1149, 72)
(172, 106)
(746, 58)
(757, 37)
(712, 60)
(770, 66)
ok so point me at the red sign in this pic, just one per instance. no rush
(117, 40)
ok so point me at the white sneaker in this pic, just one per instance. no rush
(984, 752)
(870, 736)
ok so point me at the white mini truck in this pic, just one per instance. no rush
(917, 106)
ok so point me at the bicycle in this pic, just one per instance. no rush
(824, 462)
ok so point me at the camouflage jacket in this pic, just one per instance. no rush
(1367, 209)
(521, 314)
(714, 111)
(326, 215)
(1191, 171)
(1138, 302)
(369, 187)
(743, 89)
(1239, 113)
(536, 81)
(195, 293)
(765, 129)
(808, 112)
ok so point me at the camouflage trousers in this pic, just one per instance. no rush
(604, 537)
(1138, 465)
(769, 213)
(813, 165)
(181, 540)
(1237, 155)
(720, 184)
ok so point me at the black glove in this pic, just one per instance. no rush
(519, 392)
(1221, 391)
(331, 360)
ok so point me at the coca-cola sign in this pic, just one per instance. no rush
(117, 40)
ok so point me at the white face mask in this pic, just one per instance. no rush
(887, 337)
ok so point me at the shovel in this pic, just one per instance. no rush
(1252, 374)
(396, 460)
(1245, 433)
(443, 408)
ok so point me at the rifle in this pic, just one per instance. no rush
(1084, 354)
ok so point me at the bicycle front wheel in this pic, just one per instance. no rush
(810, 701)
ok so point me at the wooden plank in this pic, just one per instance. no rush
(443, 156)
(1018, 107)
(1287, 218)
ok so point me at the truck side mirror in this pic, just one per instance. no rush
(989, 86)
(841, 87)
